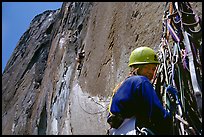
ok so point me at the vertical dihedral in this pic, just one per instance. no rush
(61, 67)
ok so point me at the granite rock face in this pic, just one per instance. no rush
(43, 92)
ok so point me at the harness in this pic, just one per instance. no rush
(180, 54)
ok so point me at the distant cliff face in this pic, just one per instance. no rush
(42, 90)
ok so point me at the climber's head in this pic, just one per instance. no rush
(143, 61)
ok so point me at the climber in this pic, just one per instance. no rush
(79, 59)
(136, 98)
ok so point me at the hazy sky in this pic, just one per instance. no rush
(16, 18)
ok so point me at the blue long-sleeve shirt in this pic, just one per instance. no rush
(137, 97)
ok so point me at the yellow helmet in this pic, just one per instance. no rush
(143, 55)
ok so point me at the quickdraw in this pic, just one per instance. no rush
(180, 55)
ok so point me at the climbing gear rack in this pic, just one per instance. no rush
(180, 54)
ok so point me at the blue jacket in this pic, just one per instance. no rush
(137, 97)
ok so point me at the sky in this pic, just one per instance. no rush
(16, 18)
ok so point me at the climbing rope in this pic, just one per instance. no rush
(103, 110)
